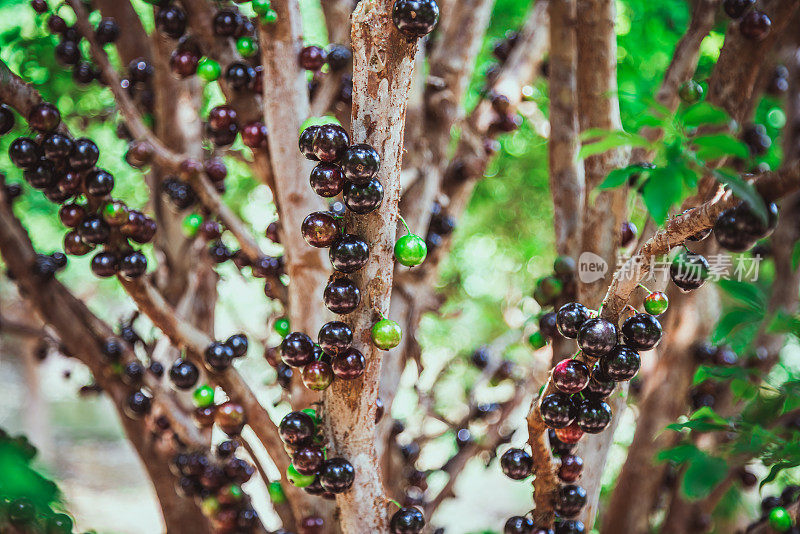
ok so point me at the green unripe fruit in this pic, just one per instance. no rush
(312, 413)
(246, 46)
(691, 92)
(281, 326)
(537, 340)
(298, 480)
(779, 519)
(410, 250)
(269, 17)
(203, 396)
(276, 494)
(208, 69)
(656, 303)
(191, 224)
(261, 7)
(115, 213)
(386, 334)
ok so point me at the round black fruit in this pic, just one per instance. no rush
(296, 428)
(341, 296)
(320, 229)
(330, 142)
(337, 475)
(133, 265)
(360, 163)
(24, 152)
(621, 364)
(407, 520)
(334, 337)
(363, 198)
(641, 332)
(570, 500)
(415, 18)
(593, 416)
(600, 386)
(570, 317)
(518, 525)
(327, 180)
(349, 254)
(736, 9)
(688, 270)
(558, 410)
(238, 344)
(297, 349)
(184, 374)
(218, 356)
(597, 337)
(306, 142)
(516, 464)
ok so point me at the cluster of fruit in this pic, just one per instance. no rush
(753, 24)
(24, 504)
(310, 469)
(774, 511)
(65, 170)
(215, 481)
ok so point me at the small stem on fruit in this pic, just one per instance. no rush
(402, 220)
(645, 288)
(631, 309)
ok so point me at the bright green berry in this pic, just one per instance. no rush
(386, 334)
(203, 396)
(269, 17)
(298, 480)
(115, 213)
(779, 519)
(410, 250)
(276, 494)
(261, 7)
(656, 303)
(691, 92)
(281, 326)
(191, 224)
(537, 340)
(208, 69)
(246, 46)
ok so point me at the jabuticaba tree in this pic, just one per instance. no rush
(665, 176)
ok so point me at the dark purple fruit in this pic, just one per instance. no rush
(44, 117)
(238, 344)
(239, 75)
(518, 525)
(133, 265)
(570, 468)
(327, 180)
(334, 337)
(688, 270)
(408, 520)
(306, 142)
(24, 152)
(41, 175)
(312, 58)
(621, 364)
(548, 326)
(349, 364)
(184, 374)
(570, 317)
(296, 428)
(342, 296)
(320, 229)
(107, 31)
(593, 416)
(171, 21)
(226, 22)
(94, 230)
(755, 25)
(57, 147)
(571, 376)
(415, 18)
(641, 332)
(84, 154)
(218, 356)
(558, 410)
(600, 386)
(364, 198)
(349, 254)
(105, 264)
(570, 500)
(297, 349)
(337, 475)
(339, 57)
(570, 526)
(516, 464)
(68, 52)
(330, 142)
(307, 460)
(597, 337)
(6, 119)
(138, 404)
(736, 9)
(98, 183)
(360, 163)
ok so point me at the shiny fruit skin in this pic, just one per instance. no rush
(298, 480)
(105, 264)
(307, 460)
(133, 265)
(641, 332)
(410, 250)
(570, 468)
(337, 475)
(755, 25)
(516, 464)
(184, 374)
(415, 18)
(349, 254)
(558, 410)
(349, 364)
(518, 525)
(386, 334)
(621, 364)
(656, 303)
(334, 337)
(330, 142)
(317, 376)
(593, 416)
(571, 376)
(363, 199)
(736, 9)
(597, 337)
(327, 180)
(689, 271)
(296, 428)
(360, 163)
(570, 317)
(570, 434)
(341, 296)
(297, 349)
(306, 142)
(320, 229)
(408, 520)
(570, 500)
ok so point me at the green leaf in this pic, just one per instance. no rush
(720, 374)
(796, 256)
(716, 146)
(618, 177)
(704, 113)
(661, 191)
(784, 323)
(679, 453)
(703, 420)
(734, 319)
(596, 141)
(745, 292)
(703, 475)
(742, 190)
(775, 470)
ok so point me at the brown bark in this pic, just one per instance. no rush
(133, 42)
(76, 325)
(383, 65)
(566, 171)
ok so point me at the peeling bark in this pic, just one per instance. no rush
(383, 66)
